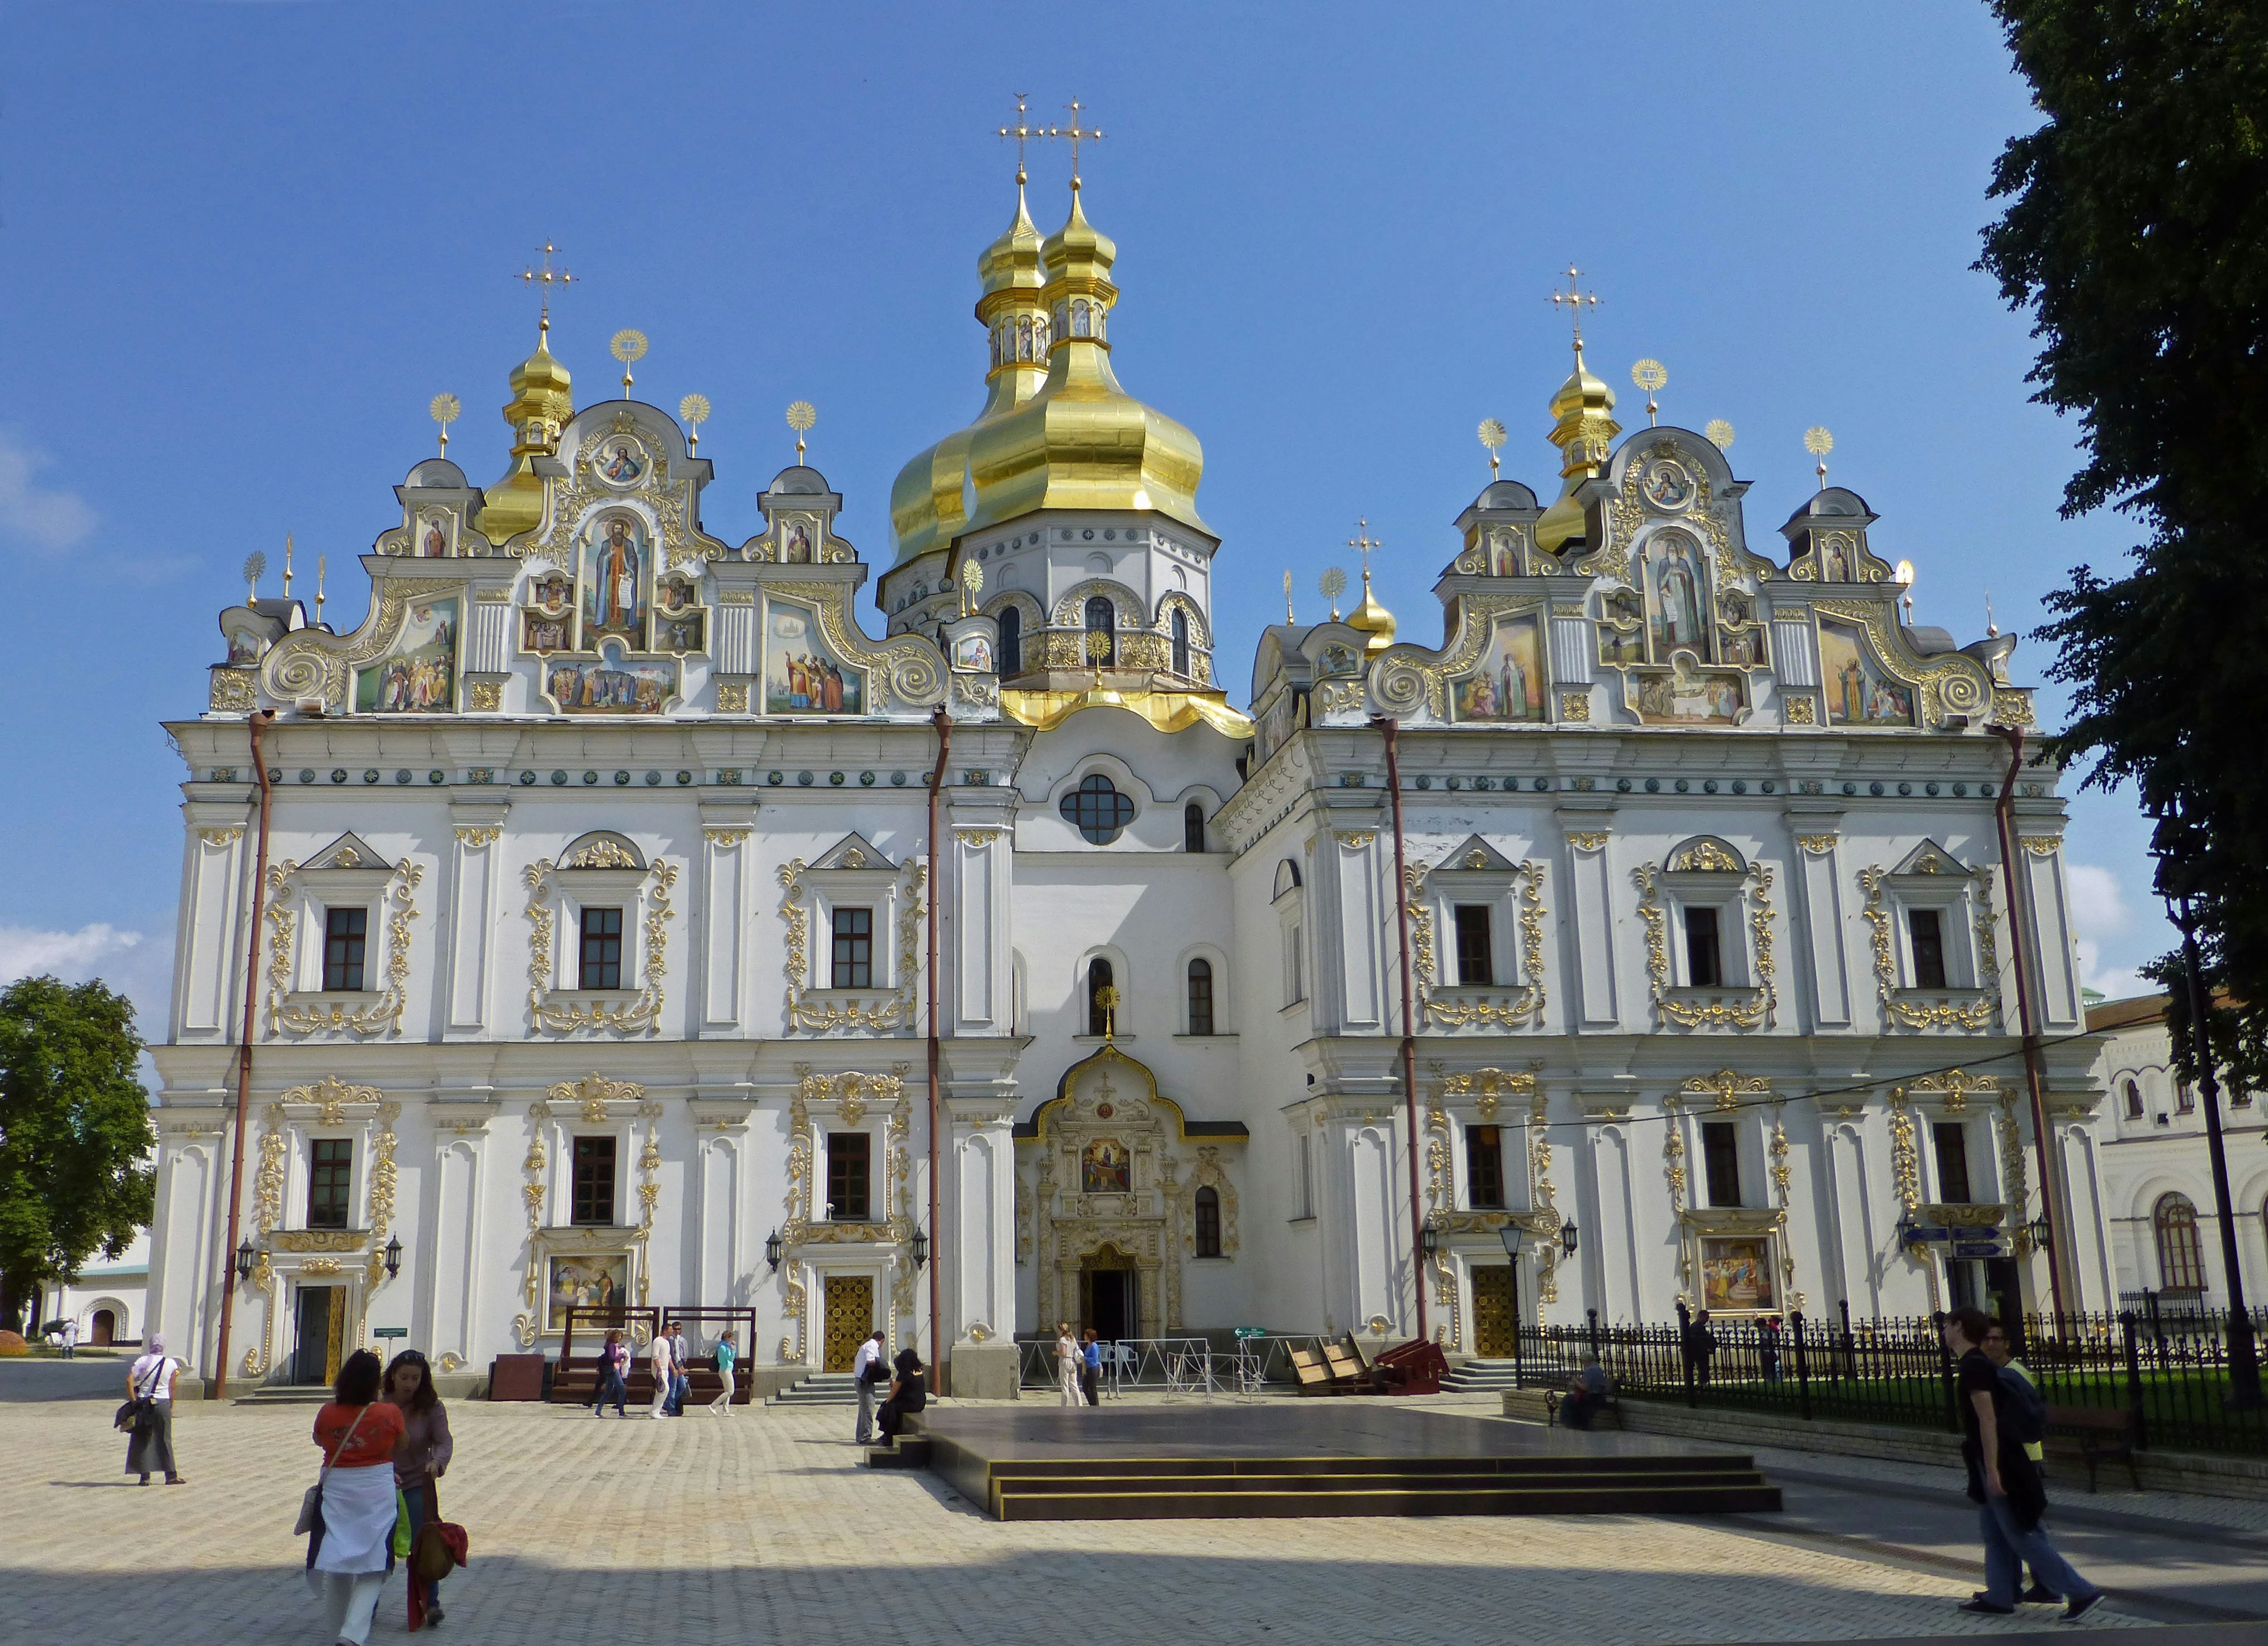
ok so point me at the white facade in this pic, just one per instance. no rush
(626, 832)
(107, 1297)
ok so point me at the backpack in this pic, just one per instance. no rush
(2027, 1414)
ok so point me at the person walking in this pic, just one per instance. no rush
(2004, 1484)
(1768, 1349)
(680, 1365)
(350, 1549)
(71, 1337)
(1705, 1347)
(421, 1458)
(1069, 1362)
(2028, 1415)
(1090, 1370)
(151, 1379)
(614, 1377)
(867, 1371)
(726, 1354)
(659, 1357)
(908, 1394)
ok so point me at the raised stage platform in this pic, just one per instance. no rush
(1276, 1459)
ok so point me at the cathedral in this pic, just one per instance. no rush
(620, 916)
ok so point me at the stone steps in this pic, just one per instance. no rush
(1483, 1375)
(821, 1388)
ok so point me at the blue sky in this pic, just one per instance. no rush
(242, 245)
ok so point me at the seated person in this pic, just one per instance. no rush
(909, 1393)
(1586, 1394)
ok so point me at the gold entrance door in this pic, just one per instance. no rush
(850, 1319)
(1496, 1312)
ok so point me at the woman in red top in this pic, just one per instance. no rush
(352, 1547)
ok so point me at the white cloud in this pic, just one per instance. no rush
(33, 514)
(2101, 918)
(137, 965)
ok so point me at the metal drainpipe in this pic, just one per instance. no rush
(1388, 726)
(944, 724)
(258, 724)
(2026, 1021)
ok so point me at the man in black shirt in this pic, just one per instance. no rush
(2005, 1484)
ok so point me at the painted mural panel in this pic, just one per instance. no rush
(591, 1281)
(417, 673)
(1677, 596)
(802, 676)
(1105, 1168)
(1686, 693)
(1736, 1275)
(1859, 693)
(1622, 627)
(618, 561)
(610, 685)
(1508, 685)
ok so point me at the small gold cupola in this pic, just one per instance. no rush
(1582, 427)
(1370, 617)
(542, 400)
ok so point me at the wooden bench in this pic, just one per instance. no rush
(2102, 1432)
(1542, 1406)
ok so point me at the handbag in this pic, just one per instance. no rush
(311, 1503)
(140, 1413)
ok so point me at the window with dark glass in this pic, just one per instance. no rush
(592, 1202)
(1208, 1222)
(2184, 1096)
(1484, 1167)
(854, 948)
(1704, 966)
(330, 1182)
(1952, 1140)
(345, 932)
(602, 949)
(1200, 997)
(1099, 1018)
(1097, 809)
(1101, 620)
(1476, 962)
(2133, 1101)
(1927, 928)
(1012, 640)
(1721, 1161)
(850, 1164)
(2181, 1255)
(1193, 827)
(1181, 641)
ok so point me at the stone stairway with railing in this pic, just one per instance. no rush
(1482, 1376)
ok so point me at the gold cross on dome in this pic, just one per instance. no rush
(545, 278)
(1022, 131)
(1362, 542)
(1078, 135)
(1575, 302)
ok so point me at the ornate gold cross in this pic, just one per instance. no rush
(1022, 131)
(1574, 303)
(1362, 542)
(1078, 135)
(544, 279)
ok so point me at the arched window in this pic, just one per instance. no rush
(1193, 827)
(1287, 877)
(1100, 1005)
(1208, 1222)
(1102, 620)
(1012, 640)
(2181, 1255)
(1200, 997)
(2133, 1093)
(1096, 809)
(1181, 641)
(2185, 1096)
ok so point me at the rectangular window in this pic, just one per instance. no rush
(854, 948)
(1484, 1167)
(1294, 973)
(2185, 1096)
(1475, 964)
(1720, 1160)
(1200, 997)
(1304, 1163)
(330, 1182)
(346, 931)
(1952, 1140)
(1925, 926)
(1704, 963)
(849, 1157)
(593, 1204)
(602, 949)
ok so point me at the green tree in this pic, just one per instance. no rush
(75, 1134)
(2136, 232)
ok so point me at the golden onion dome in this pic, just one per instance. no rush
(542, 400)
(1372, 618)
(1583, 428)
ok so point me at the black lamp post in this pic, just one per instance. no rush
(1567, 1237)
(2039, 1230)
(772, 1248)
(1511, 1234)
(1429, 1239)
(246, 1257)
(921, 1247)
(394, 1257)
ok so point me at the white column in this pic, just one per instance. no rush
(1826, 964)
(1616, 1242)
(724, 925)
(184, 1295)
(468, 939)
(1591, 918)
(1352, 918)
(452, 1236)
(209, 947)
(983, 1279)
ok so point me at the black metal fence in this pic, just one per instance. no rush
(2168, 1369)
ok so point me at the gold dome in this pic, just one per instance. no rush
(542, 400)
(1583, 428)
(1372, 618)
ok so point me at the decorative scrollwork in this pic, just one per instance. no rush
(383, 1012)
(642, 1014)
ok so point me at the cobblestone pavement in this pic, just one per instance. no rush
(762, 1528)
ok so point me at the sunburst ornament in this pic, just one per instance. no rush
(254, 563)
(972, 584)
(1819, 443)
(1720, 433)
(1492, 434)
(693, 411)
(628, 346)
(1649, 375)
(445, 409)
(1333, 584)
(800, 416)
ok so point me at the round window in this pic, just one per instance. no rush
(1097, 810)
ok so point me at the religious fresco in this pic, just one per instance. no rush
(1677, 597)
(543, 631)
(437, 534)
(417, 673)
(1740, 638)
(588, 1281)
(801, 675)
(609, 686)
(1736, 1277)
(1668, 484)
(621, 460)
(245, 646)
(1105, 1168)
(1503, 553)
(1686, 695)
(973, 654)
(796, 540)
(617, 556)
(1622, 627)
(1508, 686)
(1859, 693)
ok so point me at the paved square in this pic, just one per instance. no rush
(762, 1528)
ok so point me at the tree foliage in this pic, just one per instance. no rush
(2136, 232)
(75, 1134)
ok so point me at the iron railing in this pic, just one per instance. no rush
(2168, 1367)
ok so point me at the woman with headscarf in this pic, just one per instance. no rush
(151, 1379)
(909, 1393)
(420, 1458)
(351, 1548)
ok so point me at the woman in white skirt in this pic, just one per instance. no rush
(1069, 1361)
(351, 1548)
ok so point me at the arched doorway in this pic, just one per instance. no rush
(102, 1330)
(1110, 1294)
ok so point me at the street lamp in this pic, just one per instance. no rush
(1567, 1238)
(1511, 1233)
(394, 1257)
(1428, 1238)
(246, 1257)
(921, 1249)
(772, 1248)
(2038, 1230)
